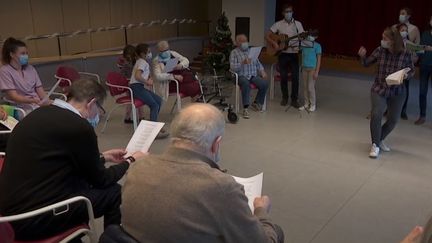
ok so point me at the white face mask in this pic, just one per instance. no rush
(385, 44)
(404, 34)
(403, 18)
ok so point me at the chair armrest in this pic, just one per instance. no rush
(59, 79)
(235, 76)
(122, 87)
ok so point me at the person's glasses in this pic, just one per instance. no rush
(100, 108)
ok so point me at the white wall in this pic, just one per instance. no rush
(260, 12)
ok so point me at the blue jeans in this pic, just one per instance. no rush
(425, 76)
(244, 84)
(149, 98)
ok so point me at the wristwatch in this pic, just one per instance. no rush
(130, 159)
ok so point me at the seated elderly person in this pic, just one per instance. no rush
(249, 72)
(188, 85)
(53, 155)
(19, 80)
(183, 195)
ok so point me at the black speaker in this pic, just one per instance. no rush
(242, 26)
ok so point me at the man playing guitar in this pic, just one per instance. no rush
(289, 55)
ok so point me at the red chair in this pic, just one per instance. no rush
(1, 163)
(275, 77)
(237, 93)
(66, 75)
(118, 86)
(7, 234)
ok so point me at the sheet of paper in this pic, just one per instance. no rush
(170, 65)
(10, 123)
(252, 187)
(254, 52)
(143, 137)
(397, 78)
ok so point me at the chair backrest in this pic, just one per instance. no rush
(7, 234)
(67, 73)
(1, 163)
(115, 78)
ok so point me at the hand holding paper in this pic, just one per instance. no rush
(143, 137)
(254, 53)
(252, 187)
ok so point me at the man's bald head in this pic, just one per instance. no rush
(200, 124)
(240, 38)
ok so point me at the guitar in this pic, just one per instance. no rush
(283, 41)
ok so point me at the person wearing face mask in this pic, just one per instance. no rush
(425, 71)
(126, 63)
(53, 155)
(249, 72)
(185, 193)
(188, 85)
(391, 56)
(19, 80)
(288, 58)
(141, 84)
(311, 64)
(413, 32)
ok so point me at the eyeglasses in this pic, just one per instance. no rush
(100, 108)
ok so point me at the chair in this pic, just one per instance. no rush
(237, 93)
(275, 77)
(179, 95)
(118, 85)
(7, 234)
(66, 75)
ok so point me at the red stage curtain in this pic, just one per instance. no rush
(346, 25)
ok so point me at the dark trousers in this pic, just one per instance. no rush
(106, 202)
(379, 104)
(290, 60)
(407, 87)
(425, 76)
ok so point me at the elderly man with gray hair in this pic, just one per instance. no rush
(183, 195)
(188, 85)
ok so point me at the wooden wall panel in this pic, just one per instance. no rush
(37, 17)
(76, 16)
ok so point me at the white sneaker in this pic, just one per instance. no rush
(305, 107)
(246, 114)
(312, 108)
(384, 147)
(374, 151)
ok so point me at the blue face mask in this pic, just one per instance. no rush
(288, 16)
(403, 18)
(149, 56)
(244, 46)
(94, 121)
(165, 55)
(23, 59)
(311, 38)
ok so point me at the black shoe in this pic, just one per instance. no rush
(284, 102)
(128, 121)
(295, 104)
(404, 116)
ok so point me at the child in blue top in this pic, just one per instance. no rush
(311, 63)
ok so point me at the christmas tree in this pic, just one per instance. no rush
(221, 44)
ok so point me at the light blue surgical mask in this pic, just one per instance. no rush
(94, 121)
(244, 46)
(311, 38)
(403, 18)
(288, 16)
(385, 44)
(165, 55)
(149, 56)
(23, 59)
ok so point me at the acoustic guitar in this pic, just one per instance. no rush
(283, 41)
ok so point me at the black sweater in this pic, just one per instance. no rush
(52, 155)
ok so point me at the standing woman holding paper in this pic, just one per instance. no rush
(141, 84)
(391, 57)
